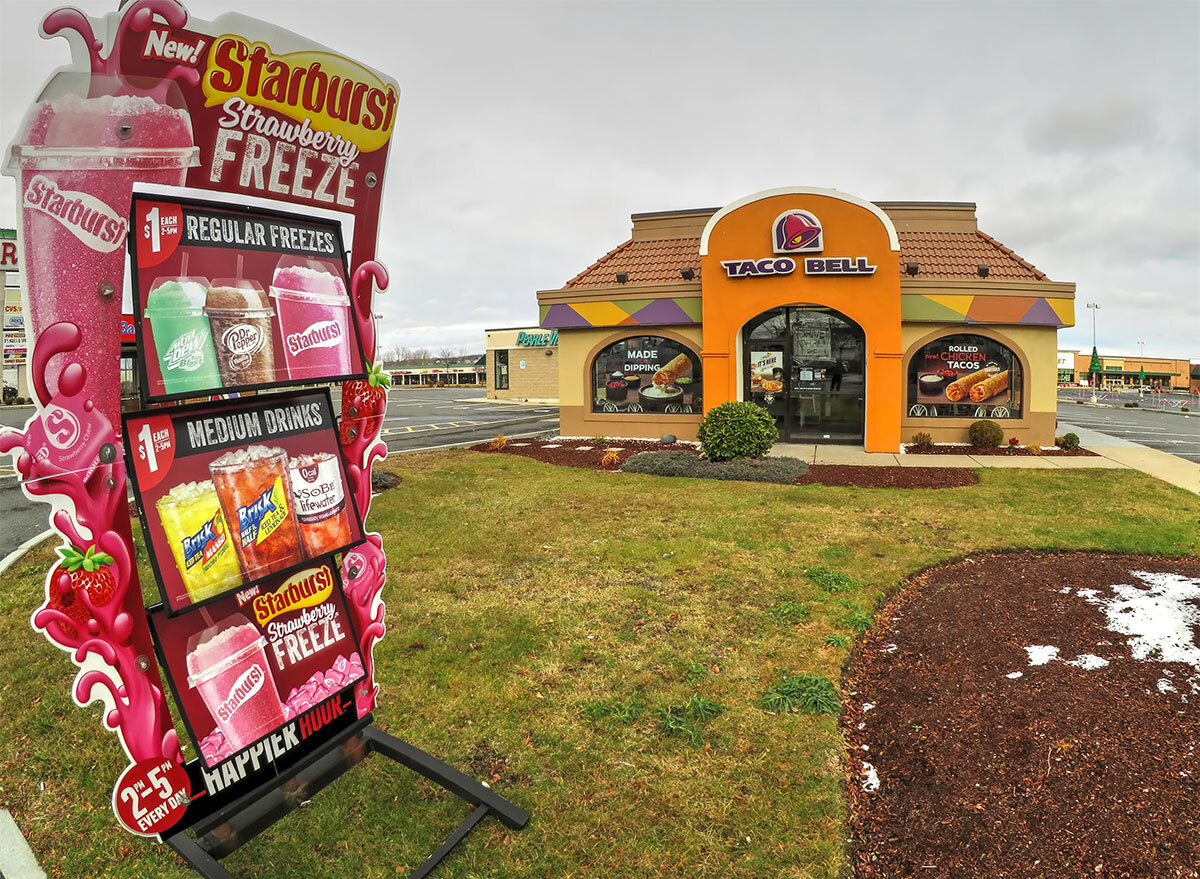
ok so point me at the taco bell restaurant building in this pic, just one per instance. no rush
(849, 321)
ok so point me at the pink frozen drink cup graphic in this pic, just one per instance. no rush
(75, 165)
(227, 663)
(314, 319)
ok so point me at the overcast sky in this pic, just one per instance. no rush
(529, 132)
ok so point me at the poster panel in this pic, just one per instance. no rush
(646, 374)
(231, 493)
(238, 298)
(960, 374)
(246, 666)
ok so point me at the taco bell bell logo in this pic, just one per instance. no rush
(798, 232)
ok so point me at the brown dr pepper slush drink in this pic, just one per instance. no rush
(252, 486)
(239, 314)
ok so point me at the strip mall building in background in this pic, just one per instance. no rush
(849, 321)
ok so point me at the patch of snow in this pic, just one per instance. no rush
(552, 445)
(866, 747)
(1041, 654)
(867, 706)
(1013, 675)
(862, 724)
(1088, 593)
(1065, 589)
(584, 448)
(889, 648)
(870, 780)
(1165, 686)
(1158, 618)
(1088, 661)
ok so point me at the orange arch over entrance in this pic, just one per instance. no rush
(850, 228)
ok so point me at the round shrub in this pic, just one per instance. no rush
(737, 429)
(1069, 441)
(986, 434)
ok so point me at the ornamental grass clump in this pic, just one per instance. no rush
(804, 693)
(737, 429)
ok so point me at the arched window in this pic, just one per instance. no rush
(647, 374)
(965, 376)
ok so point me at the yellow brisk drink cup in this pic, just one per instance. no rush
(199, 538)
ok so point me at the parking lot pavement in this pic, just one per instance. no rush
(1170, 432)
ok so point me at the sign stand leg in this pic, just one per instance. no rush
(258, 811)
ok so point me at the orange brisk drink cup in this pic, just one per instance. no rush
(320, 499)
(199, 538)
(252, 485)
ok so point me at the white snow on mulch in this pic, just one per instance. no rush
(867, 706)
(1159, 617)
(1013, 675)
(870, 780)
(1165, 686)
(889, 648)
(1040, 654)
(1088, 661)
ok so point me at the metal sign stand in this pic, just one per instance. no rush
(223, 833)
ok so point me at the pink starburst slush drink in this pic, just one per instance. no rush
(314, 320)
(75, 165)
(227, 663)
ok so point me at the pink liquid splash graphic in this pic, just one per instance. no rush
(364, 568)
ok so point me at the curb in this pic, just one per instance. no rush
(16, 858)
(450, 431)
(11, 559)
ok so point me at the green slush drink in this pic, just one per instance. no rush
(182, 335)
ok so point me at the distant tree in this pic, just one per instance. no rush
(446, 354)
(419, 355)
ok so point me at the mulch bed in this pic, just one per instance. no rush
(1062, 771)
(567, 453)
(889, 477)
(1004, 451)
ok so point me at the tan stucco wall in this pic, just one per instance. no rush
(1037, 349)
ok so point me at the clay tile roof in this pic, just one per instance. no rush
(958, 254)
(648, 262)
(939, 255)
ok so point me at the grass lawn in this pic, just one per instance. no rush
(597, 646)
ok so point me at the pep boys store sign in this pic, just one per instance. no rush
(797, 232)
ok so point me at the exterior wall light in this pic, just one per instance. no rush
(912, 268)
(982, 268)
(622, 277)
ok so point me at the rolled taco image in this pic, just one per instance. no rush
(989, 387)
(959, 389)
(673, 370)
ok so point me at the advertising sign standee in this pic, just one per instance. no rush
(265, 638)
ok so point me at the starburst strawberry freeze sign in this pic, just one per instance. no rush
(265, 118)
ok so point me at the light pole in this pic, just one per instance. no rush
(1095, 306)
(1142, 365)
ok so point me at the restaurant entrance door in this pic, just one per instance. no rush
(805, 365)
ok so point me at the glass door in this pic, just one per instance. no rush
(815, 358)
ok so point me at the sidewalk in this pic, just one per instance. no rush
(1113, 454)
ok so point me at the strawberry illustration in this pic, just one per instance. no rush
(363, 401)
(80, 570)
